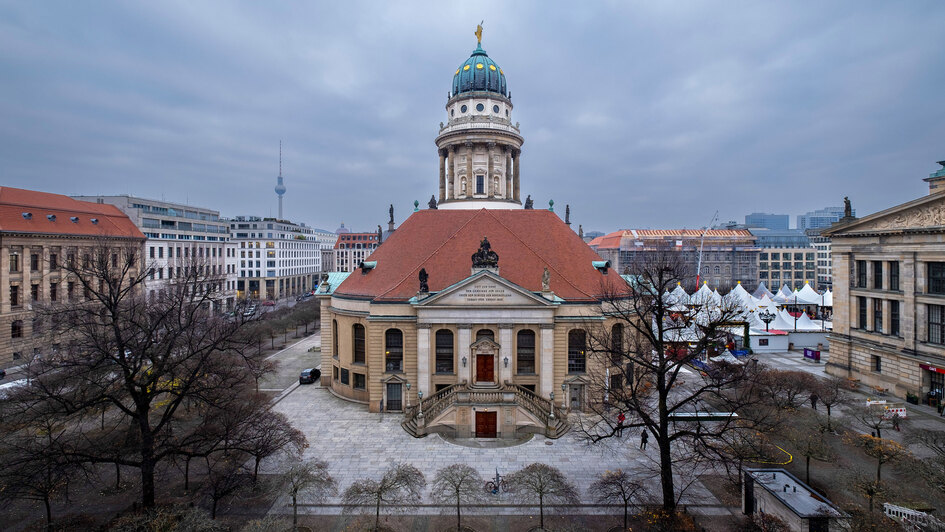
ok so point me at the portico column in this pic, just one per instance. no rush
(470, 184)
(516, 180)
(547, 359)
(508, 173)
(489, 149)
(505, 352)
(465, 335)
(423, 357)
(442, 175)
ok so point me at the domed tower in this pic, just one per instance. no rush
(479, 146)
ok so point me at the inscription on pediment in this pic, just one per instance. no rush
(928, 216)
(484, 292)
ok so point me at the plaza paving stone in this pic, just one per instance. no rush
(358, 444)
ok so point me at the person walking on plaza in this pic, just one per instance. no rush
(895, 421)
(643, 437)
(813, 401)
(620, 419)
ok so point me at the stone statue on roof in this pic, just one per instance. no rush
(432, 202)
(847, 208)
(380, 235)
(529, 204)
(567, 214)
(424, 288)
(546, 280)
(485, 257)
(391, 212)
(580, 231)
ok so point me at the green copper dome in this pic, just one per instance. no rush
(479, 73)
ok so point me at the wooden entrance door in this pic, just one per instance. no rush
(486, 425)
(485, 366)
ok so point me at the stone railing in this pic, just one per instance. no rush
(552, 417)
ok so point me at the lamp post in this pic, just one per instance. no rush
(796, 312)
(564, 395)
(420, 404)
(767, 317)
(551, 397)
(408, 395)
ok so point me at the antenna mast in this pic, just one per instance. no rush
(701, 244)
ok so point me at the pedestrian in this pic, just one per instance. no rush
(813, 401)
(643, 437)
(895, 421)
(620, 419)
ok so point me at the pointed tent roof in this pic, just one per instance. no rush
(807, 295)
(806, 324)
(766, 303)
(740, 292)
(702, 296)
(679, 295)
(828, 298)
(782, 324)
(762, 290)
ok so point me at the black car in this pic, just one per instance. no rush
(308, 376)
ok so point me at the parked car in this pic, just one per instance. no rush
(268, 303)
(309, 376)
(249, 311)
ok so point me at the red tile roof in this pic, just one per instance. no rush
(613, 240)
(443, 241)
(15, 201)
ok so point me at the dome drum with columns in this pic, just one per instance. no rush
(479, 147)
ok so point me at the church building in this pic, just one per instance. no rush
(471, 317)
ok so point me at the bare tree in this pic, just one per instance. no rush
(311, 479)
(884, 451)
(401, 484)
(832, 392)
(543, 484)
(267, 433)
(932, 468)
(159, 365)
(787, 389)
(225, 476)
(807, 435)
(872, 417)
(639, 352)
(618, 486)
(458, 484)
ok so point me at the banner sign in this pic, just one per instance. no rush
(812, 355)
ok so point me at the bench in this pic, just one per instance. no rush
(880, 390)
(852, 383)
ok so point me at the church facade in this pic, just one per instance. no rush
(472, 317)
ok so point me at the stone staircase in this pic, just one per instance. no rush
(461, 394)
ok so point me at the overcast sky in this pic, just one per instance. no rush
(638, 115)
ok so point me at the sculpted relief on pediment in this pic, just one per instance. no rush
(927, 216)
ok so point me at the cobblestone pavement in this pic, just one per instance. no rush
(358, 444)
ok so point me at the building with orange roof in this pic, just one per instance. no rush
(39, 231)
(728, 255)
(351, 249)
(472, 316)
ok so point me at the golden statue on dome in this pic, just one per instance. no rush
(479, 32)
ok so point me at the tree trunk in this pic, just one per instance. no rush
(187, 474)
(666, 476)
(295, 514)
(828, 419)
(879, 470)
(147, 482)
(256, 471)
(48, 513)
(541, 511)
(625, 510)
(117, 476)
(807, 468)
(377, 514)
(213, 508)
(459, 522)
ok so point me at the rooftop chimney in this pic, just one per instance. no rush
(936, 180)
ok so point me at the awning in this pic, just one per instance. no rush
(932, 368)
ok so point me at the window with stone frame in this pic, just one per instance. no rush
(485, 333)
(344, 376)
(34, 262)
(577, 346)
(14, 261)
(894, 275)
(861, 312)
(360, 382)
(393, 351)
(53, 291)
(878, 315)
(936, 323)
(877, 274)
(861, 274)
(357, 343)
(616, 344)
(525, 352)
(894, 318)
(16, 329)
(936, 271)
(14, 295)
(616, 381)
(334, 338)
(443, 340)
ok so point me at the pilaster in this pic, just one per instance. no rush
(465, 340)
(442, 175)
(505, 353)
(517, 179)
(546, 371)
(423, 358)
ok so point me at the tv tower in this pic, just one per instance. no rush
(280, 188)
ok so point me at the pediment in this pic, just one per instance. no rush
(485, 289)
(927, 212)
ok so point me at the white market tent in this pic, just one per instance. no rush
(762, 290)
(828, 298)
(783, 295)
(743, 296)
(703, 296)
(679, 295)
(806, 296)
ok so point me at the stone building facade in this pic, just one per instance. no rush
(889, 296)
(39, 233)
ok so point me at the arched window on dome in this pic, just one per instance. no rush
(480, 184)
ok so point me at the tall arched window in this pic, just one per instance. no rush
(485, 333)
(444, 351)
(393, 350)
(480, 184)
(525, 352)
(616, 344)
(357, 341)
(577, 345)
(334, 338)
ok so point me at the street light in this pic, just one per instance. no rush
(767, 317)
(420, 404)
(551, 397)
(408, 395)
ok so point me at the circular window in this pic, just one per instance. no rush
(463, 109)
(480, 107)
(495, 109)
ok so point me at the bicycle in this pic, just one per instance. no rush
(497, 484)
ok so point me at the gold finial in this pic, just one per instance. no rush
(479, 32)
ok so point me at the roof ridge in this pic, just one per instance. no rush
(513, 233)
(447, 239)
